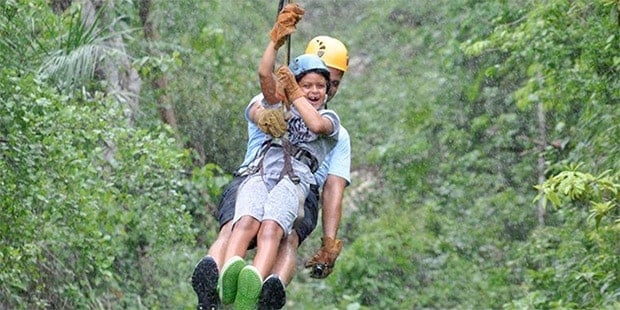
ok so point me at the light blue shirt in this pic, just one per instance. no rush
(337, 162)
(255, 136)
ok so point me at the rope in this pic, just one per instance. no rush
(287, 147)
(288, 46)
(288, 39)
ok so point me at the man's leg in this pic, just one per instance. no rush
(287, 258)
(206, 273)
(273, 294)
(225, 214)
(217, 249)
(203, 279)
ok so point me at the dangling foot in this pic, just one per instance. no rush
(227, 283)
(204, 282)
(273, 295)
(249, 288)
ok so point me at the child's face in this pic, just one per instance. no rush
(314, 87)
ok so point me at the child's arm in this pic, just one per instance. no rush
(265, 74)
(285, 25)
(313, 120)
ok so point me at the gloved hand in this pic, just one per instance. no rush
(272, 122)
(287, 19)
(322, 263)
(287, 82)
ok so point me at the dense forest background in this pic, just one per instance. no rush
(485, 140)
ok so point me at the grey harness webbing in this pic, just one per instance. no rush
(287, 170)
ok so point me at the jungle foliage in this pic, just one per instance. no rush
(484, 134)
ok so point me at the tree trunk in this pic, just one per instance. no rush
(541, 166)
(160, 83)
(123, 81)
(59, 6)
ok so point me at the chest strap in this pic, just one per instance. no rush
(287, 170)
(301, 155)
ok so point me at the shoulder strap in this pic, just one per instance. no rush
(287, 170)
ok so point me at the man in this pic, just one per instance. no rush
(334, 175)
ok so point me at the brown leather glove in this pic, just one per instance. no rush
(272, 122)
(322, 263)
(287, 82)
(287, 19)
(281, 94)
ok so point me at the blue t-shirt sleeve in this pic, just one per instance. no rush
(333, 117)
(338, 161)
(255, 136)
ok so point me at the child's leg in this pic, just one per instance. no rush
(246, 223)
(280, 212)
(242, 234)
(268, 241)
(244, 230)
(248, 215)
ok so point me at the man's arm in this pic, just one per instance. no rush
(337, 179)
(333, 191)
(335, 172)
(265, 73)
(323, 262)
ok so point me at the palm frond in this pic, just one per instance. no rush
(77, 65)
(80, 50)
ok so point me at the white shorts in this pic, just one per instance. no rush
(264, 199)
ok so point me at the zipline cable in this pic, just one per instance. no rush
(288, 37)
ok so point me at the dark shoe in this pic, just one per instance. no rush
(273, 295)
(227, 283)
(204, 282)
(248, 288)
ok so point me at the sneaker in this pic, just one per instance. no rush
(204, 282)
(248, 289)
(227, 283)
(273, 295)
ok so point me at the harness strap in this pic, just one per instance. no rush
(254, 165)
(290, 151)
(287, 170)
(301, 155)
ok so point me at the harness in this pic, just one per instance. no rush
(290, 151)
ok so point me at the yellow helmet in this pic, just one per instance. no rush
(331, 51)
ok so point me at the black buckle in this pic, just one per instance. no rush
(295, 179)
(307, 158)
